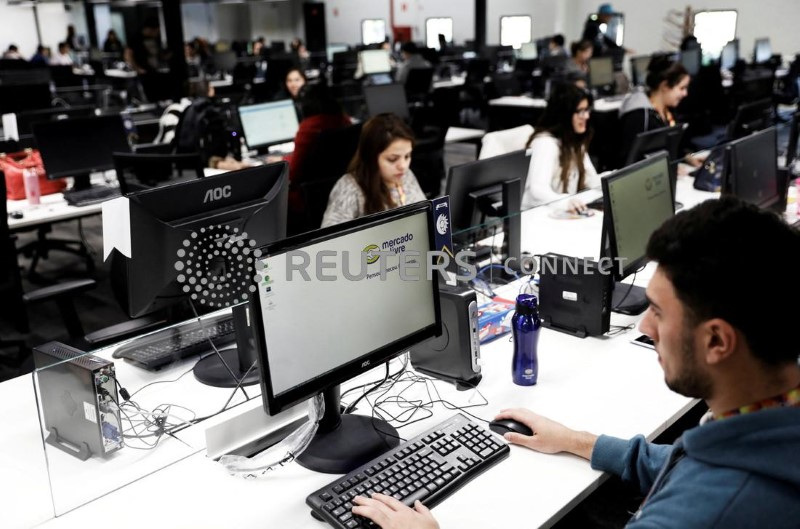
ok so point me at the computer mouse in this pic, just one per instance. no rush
(16, 215)
(503, 426)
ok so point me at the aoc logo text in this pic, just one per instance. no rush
(217, 193)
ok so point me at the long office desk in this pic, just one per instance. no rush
(603, 385)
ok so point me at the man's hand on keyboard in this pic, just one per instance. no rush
(390, 513)
(549, 437)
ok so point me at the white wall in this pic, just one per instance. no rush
(343, 18)
(645, 26)
(462, 12)
(19, 26)
(547, 16)
(271, 20)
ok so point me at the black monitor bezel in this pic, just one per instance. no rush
(608, 243)
(268, 144)
(729, 180)
(376, 91)
(273, 403)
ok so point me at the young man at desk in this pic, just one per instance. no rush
(718, 339)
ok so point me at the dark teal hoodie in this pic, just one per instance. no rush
(740, 472)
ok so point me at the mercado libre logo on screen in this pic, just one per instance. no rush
(371, 251)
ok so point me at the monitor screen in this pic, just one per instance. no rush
(386, 98)
(762, 51)
(601, 71)
(527, 51)
(753, 172)
(266, 124)
(80, 146)
(306, 348)
(639, 69)
(692, 60)
(729, 55)
(374, 61)
(637, 200)
(332, 49)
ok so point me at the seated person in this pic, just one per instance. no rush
(411, 59)
(556, 45)
(667, 84)
(295, 80)
(62, 57)
(725, 345)
(578, 64)
(379, 177)
(560, 164)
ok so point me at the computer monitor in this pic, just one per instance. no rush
(386, 98)
(752, 172)
(374, 62)
(188, 235)
(692, 60)
(26, 119)
(636, 201)
(750, 118)
(332, 48)
(266, 124)
(729, 55)
(639, 69)
(762, 51)
(601, 72)
(528, 51)
(305, 349)
(81, 146)
(485, 191)
(648, 143)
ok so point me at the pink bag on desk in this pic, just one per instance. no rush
(13, 165)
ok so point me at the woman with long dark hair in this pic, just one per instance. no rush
(379, 177)
(560, 164)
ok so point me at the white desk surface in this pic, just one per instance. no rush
(456, 134)
(600, 104)
(603, 385)
(453, 82)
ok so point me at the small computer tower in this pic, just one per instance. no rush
(78, 399)
(574, 295)
(454, 355)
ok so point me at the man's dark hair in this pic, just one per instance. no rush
(558, 40)
(730, 260)
(317, 98)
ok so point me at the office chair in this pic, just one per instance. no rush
(505, 141)
(418, 84)
(136, 171)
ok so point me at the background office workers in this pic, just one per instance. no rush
(728, 346)
(379, 176)
(667, 84)
(560, 164)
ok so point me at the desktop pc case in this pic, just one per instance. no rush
(454, 355)
(574, 295)
(78, 396)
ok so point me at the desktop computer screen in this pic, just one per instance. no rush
(729, 55)
(601, 72)
(332, 49)
(692, 60)
(306, 346)
(753, 169)
(636, 201)
(762, 51)
(266, 124)
(374, 61)
(639, 69)
(78, 147)
(528, 51)
(386, 98)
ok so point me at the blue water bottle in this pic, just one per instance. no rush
(525, 325)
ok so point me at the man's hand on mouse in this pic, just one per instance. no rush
(549, 437)
(390, 513)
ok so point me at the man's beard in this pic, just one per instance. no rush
(691, 381)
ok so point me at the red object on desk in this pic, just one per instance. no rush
(13, 165)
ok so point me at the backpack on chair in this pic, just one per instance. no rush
(203, 127)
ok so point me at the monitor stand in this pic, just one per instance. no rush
(628, 299)
(345, 442)
(236, 369)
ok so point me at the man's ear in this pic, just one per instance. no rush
(719, 340)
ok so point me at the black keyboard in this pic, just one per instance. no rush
(170, 345)
(90, 195)
(429, 468)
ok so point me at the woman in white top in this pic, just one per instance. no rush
(379, 177)
(560, 164)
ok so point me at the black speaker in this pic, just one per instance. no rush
(454, 355)
(574, 295)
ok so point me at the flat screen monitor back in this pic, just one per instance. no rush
(601, 72)
(386, 98)
(80, 146)
(752, 172)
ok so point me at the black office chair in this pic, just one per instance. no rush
(418, 84)
(136, 171)
(327, 161)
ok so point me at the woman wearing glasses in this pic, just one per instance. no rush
(560, 164)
